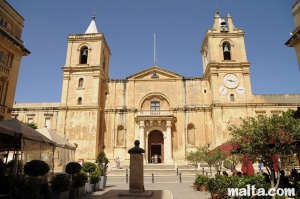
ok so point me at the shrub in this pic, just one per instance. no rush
(220, 184)
(60, 182)
(102, 161)
(89, 167)
(73, 167)
(201, 180)
(2, 167)
(95, 177)
(79, 179)
(25, 187)
(36, 168)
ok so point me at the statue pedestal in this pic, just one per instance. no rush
(136, 175)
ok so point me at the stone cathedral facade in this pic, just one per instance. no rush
(169, 113)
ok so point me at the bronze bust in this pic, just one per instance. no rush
(136, 149)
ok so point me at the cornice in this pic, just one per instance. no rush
(14, 40)
(79, 107)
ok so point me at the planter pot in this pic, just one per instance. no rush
(203, 187)
(80, 191)
(102, 182)
(96, 186)
(72, 192)
(44, 190)
(60, 195)
(215, 196)
(89, 188)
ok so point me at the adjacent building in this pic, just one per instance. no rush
(294, 41)
(170, 114)
(11, 52)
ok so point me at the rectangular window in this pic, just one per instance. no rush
(5, 24)
(47, 123)
(3, 58)
(1, 21)
(155, 106)
(30, 120)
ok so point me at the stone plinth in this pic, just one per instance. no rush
(136, 175)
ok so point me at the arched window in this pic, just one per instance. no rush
(191, 134)
(84, 55)
(120, 136)
(80, 83)
(79, 101)
(226, 51)
(232, 97)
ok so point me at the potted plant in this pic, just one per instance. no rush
(78, 181)
(89, 167)
(37, 169)
(95, 178)
(71, 169)
(218, 186)
(25, 187)
(200, 182)
(60, 185)
(102, 162)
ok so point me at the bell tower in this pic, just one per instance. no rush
(225, 64)
(84, 90)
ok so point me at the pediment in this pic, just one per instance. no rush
(154, 72)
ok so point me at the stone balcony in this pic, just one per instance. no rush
(155, 113)
(4, 71)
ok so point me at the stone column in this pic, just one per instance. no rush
(142, 137)
(142, 134)
(169, 158)
(146, 150)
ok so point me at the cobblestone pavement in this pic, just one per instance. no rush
(163, 188)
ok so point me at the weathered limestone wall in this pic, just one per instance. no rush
(81, 129)
(277, 98)
(38, 112)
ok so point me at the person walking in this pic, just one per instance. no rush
(118, 162)
(260, 166)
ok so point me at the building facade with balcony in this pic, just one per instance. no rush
(169, 113)
(11, 52)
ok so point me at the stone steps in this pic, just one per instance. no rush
(160, 170)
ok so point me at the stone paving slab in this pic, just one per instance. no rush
(163, 188)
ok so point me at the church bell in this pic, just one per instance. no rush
(226, 49)
(223, 22)
(84, 52)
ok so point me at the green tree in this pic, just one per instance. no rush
(198, 156)
(262, 137)
(31, 125)
(215, 158)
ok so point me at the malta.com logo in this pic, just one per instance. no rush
(251, 190)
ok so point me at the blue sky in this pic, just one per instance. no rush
(129, 25)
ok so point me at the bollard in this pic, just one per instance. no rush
(203, 171)
(179, 177)
(152, 178)
(177, 170)
(206, 173)
(126, 175)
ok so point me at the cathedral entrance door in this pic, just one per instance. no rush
(156, 146)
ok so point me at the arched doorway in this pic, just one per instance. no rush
(156, 146)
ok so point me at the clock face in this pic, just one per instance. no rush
(222, 90)
(231, 81)
(240, 90)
